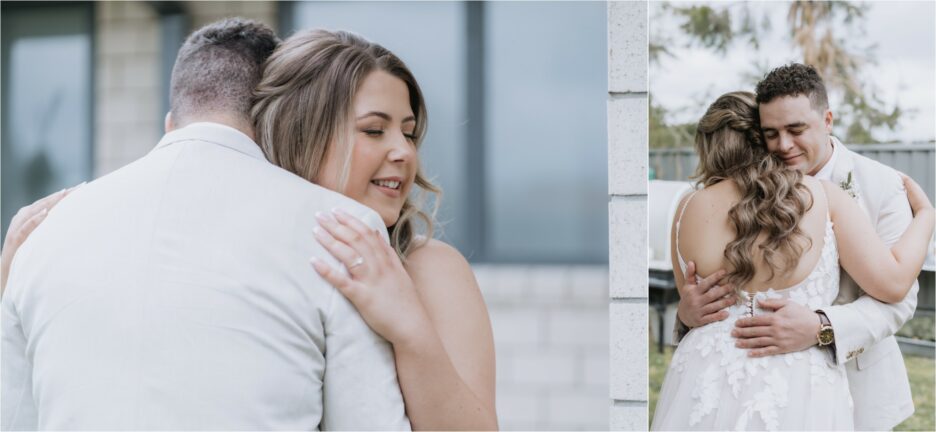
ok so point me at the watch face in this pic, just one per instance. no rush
(826, 336)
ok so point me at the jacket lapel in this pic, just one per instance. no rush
(845, 176)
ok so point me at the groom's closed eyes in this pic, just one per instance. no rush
(793, 128)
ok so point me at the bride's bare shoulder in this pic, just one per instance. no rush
(436, 259)
(712, 198)
(435, 252)
(722, 189)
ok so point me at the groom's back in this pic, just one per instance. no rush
(176, 293)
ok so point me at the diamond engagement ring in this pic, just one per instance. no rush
(357, 262)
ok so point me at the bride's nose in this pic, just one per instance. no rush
(402, 150)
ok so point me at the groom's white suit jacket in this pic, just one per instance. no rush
(175, 293)
(865, 327)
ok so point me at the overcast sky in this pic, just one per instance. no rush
(905, 73)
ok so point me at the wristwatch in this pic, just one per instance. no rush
(825, 336)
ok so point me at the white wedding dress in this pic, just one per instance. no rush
(713, 385)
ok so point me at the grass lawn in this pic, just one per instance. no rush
(922, 373)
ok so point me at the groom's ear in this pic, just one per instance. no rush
(829, 119)
(167, 123)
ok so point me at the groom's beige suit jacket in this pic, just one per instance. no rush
(864, 327)
(176, 293)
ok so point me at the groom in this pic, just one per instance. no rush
(858, 330)
(175, 293)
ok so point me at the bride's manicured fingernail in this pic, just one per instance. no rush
(339, 212)
(316, 263)
(322, 217)
(318, 231)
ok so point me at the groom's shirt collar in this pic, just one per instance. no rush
(215, 133)
(825, 173)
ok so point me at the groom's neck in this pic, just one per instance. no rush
(226, 119)
(830, 147)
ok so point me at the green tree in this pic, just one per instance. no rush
(666, 135)
(827, 36)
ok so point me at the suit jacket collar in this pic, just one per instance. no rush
(845, 177)
(214, 133)
(844, 162)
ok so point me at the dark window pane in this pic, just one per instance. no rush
(46, 56)
(546, 139)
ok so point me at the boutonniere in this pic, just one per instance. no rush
(848, 185)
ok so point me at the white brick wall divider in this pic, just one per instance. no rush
(627, 188)
(628, 246)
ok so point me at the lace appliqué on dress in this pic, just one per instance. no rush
(760, 387)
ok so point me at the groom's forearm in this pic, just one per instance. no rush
(867, 321)
(680, 329)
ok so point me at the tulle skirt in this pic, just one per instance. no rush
(713, 385)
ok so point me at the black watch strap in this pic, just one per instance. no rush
(823, 318)
(823, 323)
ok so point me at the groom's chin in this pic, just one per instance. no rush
(797, 164)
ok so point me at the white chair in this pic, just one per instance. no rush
(664, 197)
(663, 202)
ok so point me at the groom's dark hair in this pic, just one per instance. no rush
(218, 67)
(794, 79)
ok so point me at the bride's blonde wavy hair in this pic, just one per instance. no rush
(773, 197)
(303, 109)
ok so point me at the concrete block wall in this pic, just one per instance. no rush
(551, 341)
(627, 187)
(128, 87)
(206, 12)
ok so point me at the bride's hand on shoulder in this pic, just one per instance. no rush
(377, 283)
(915, 195)
(24, 222)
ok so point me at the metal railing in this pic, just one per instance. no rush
(917, 160)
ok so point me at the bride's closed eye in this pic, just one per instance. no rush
(374, 133)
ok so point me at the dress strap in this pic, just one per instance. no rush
(682, 211)
(828, 205)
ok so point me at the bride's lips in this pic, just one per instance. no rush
(390, 186)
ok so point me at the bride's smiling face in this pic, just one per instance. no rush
(383, 160)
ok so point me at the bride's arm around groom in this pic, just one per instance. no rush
(886, 273)
(862, 321)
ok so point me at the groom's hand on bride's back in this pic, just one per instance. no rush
(703, 302)
(790, 328)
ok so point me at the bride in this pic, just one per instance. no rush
(771, 227)
(347, 114)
